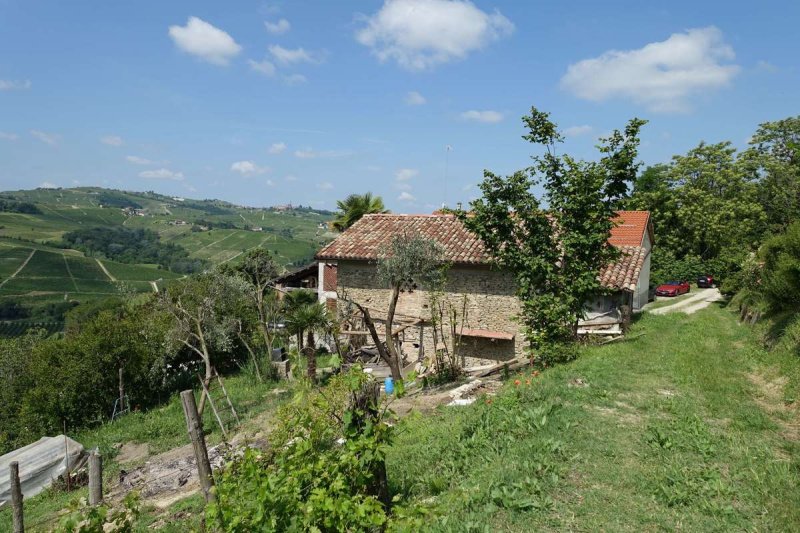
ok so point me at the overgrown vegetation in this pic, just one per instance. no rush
(713, 206)
(323, 472)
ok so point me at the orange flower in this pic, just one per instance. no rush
(527, 382)
(535, 373)
(517, 382)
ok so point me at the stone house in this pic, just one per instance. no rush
(483, 297)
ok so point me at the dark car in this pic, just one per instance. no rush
(705, 282)
(672, 288)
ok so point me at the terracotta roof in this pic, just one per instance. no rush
(630, 229)
(624, 273)
(366, 239)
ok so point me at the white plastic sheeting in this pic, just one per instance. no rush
(40, 463)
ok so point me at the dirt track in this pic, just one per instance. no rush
(702, 299)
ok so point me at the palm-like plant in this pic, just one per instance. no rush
(356, 206)
(309, 318)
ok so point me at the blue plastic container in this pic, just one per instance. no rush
(388, 383)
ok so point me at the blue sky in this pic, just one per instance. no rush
(305, 102)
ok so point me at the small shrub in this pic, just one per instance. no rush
(102, 518)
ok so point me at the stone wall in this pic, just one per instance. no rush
(487, 295)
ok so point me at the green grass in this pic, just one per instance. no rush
(163, 428)
(668, 434)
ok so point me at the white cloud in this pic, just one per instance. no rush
(248, 168)
(277, 148)
(269, 183)
(489, 117)
(136, 160)
(264, 67)
(406, 197)
(290, 177)
(205, 41)
(14, 85)
(405, 174)
(661, 75)
(308, 153)
(402, 186)
(112, 140)
(161, 174)
(325, 186)
(575, 131)
(414, 98)
(420, 34)
(287, 56)
(49, 138)
(48, 185)
(279, 27)
(8, 136)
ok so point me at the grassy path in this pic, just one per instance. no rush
(684, 428)
(105, 270)
(18, 270)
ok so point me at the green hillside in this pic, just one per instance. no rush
(39, 274)
(213, 230)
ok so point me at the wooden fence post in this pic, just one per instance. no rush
(195, 427)
(16, 498)
(95, 478)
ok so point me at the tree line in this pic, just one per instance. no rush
(128, 245)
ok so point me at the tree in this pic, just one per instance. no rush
(409, 263)
(294, 300)
(717, 206)
(309, 318)
(555, 252)
(775, 152)
(204, 321)
(258, 270)
(780, 273)
(355, 206)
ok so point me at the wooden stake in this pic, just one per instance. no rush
(95, 479)
(195, 428)
(16, 498)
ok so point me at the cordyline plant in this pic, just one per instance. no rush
(557, 244)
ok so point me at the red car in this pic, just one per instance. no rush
(672, 288)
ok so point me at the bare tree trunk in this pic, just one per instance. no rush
(121, 389)
(394, 354)
(209, 369)
(393, 366)
(311, 357)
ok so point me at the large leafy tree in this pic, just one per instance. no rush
(355, 206)
(775, 151)
(555, 245)
(717, 206)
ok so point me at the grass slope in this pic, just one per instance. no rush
(682, 428)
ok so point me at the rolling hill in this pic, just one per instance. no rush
(37, 270)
